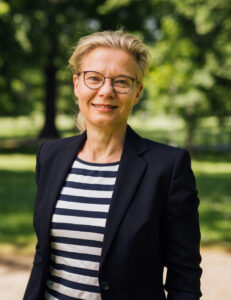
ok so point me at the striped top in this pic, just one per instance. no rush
(77, 231)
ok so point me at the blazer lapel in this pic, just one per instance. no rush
(130, 172)
(61, 166)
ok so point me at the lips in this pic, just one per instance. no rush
(104, 107)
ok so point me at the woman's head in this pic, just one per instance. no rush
(84, 58)
(112, 39)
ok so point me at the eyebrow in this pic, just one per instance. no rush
(123, 75)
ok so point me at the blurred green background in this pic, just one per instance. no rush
(186, 101)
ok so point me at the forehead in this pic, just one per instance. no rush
(110, 60)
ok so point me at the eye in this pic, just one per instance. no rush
(93, 78)
(122, 82)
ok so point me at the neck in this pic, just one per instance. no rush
(103, 146)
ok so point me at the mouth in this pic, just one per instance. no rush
(104, 107)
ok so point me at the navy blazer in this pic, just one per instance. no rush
(152, 221)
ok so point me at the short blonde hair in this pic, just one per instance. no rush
(110, 39)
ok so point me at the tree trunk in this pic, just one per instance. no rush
(191, 125)
(49, 129)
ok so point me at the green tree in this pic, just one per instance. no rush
(190, 74)
(44, 30)
(189, 40)
(14, 98)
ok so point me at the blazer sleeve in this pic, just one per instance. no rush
(182, 233)
(38, 258)
(31, 291)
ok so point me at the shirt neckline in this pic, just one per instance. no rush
(97, 164)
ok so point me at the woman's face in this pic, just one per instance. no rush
(104, 107)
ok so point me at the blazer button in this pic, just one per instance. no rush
(105, 286)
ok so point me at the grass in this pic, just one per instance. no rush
(16, 128)
(17, 194)
(208, 136)
(18, 190)
(213, 183)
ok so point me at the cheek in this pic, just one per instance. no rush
(79, 89)
(79, 93)
(130, 103)
(81, 104)
(84, 98)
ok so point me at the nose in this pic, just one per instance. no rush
(107, 88)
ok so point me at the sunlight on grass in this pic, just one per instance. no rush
(65, 122)
(172, 130)
(17, 196)
(19, 127)
(156, 122)
(29, 127)
(211, 167)
(17, 162)
(161, 128)
(214, 185)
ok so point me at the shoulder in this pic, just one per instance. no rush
(52, 148)
(59, 143)
(163, 150)
(155, 151)
(167, 158)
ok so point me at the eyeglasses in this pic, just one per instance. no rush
(95, 80)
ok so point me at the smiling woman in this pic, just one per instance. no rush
(99, 100)
(117, 40)
(112, 208)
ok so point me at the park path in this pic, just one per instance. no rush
(216, 279)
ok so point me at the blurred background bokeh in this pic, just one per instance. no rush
(186, 100)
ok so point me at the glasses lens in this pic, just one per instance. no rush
(123, 84)
(93, 80)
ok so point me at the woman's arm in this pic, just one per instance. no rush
(182, 233)
(36, 272)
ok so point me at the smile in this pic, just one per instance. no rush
(104, 107)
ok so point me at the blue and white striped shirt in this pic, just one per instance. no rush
(77, 231)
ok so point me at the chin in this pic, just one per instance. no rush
(105, 124)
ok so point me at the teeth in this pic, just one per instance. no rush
(104, 106)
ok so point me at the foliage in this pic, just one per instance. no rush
(190, 74)
(189, 41)
(14, 92)
(36, 34)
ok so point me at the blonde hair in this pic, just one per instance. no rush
(110, 39)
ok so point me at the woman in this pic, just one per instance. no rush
(113, 208)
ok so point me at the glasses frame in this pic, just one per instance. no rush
(112, 81)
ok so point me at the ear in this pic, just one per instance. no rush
(138, 94)
(76, 85)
